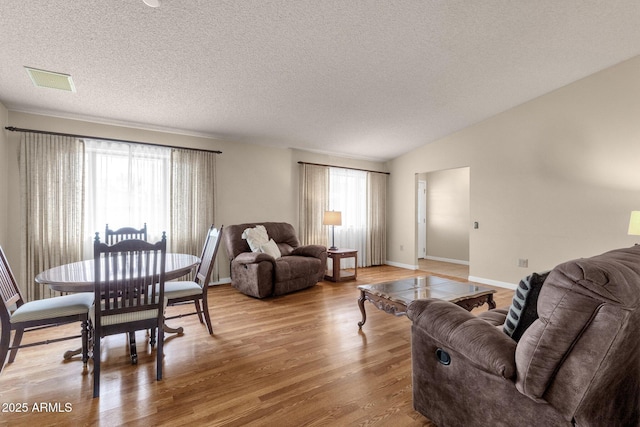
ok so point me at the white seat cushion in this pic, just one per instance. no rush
(67, 305)
(179, 289)
(134, 316)
(114, 319)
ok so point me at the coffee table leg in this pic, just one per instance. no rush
(490, 302)
(364, 313)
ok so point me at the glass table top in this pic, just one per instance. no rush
(408, 290)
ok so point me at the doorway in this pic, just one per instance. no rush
(443, 221)
(422, 219)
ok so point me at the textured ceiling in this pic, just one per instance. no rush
(364, 78)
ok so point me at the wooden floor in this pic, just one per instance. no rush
(296, 360)
(447, 268)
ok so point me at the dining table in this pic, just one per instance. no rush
(80, 277)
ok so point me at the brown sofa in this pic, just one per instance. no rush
(577, 364)
(261, 275)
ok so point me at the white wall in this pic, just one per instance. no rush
(254, 182)
(551, 180)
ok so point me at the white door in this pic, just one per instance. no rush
(422, 219)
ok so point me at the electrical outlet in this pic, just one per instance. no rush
(523, 262)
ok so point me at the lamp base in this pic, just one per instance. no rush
(332, 248)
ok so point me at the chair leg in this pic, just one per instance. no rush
(152, 337)
(159, 352)
(17, 339)
(5, 339)
(198, 310)
(205, 307)
(133, 351)
(96, 365)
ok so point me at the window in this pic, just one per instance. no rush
(348, 194)
(361, 197)
(125, 185)
(70, 188)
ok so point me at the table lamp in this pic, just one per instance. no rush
(333, 218)
(634, 224)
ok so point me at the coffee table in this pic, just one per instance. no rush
(394, 297)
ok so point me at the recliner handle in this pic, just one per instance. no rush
(443, 357)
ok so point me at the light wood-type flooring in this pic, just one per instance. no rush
(295, 360)
(445, 268)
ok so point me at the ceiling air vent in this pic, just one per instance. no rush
(50, 79)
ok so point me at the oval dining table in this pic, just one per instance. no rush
(80, 277)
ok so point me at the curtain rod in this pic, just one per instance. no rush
(343, 167)
(15, 129)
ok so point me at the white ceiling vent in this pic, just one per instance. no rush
(50, 79)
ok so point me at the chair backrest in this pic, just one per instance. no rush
(124, 233)
(129, 278)
(209, 251)
(9, 290)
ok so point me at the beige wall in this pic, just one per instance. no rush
(447, 210)
(4, 170)
(254, 182)
(551, 180)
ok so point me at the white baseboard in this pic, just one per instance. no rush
(452, 261)
(221, 281)
(492, 282)
(400, 265)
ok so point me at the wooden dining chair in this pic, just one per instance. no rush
(20, 316)
(129, 283)
(179, 292)
(115, 236)
(124, 233)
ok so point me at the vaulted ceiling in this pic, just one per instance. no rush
(364, 78)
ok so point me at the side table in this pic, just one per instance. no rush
(338, 275)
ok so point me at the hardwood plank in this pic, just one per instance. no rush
(295, 360)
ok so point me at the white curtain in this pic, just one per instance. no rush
(314, 200)
(348, 194)
(52, 198)
(360, 196)
(127, 185)
(193, 200)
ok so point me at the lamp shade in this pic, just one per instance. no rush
(634, 223)
(332, 218)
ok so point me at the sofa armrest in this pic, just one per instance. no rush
(453, 327)
(496, 317)
(252, 258)
(315, 251)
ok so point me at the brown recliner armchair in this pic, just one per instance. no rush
(577, 364)
(261, 275)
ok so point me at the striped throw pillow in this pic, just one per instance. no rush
(523, 311)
